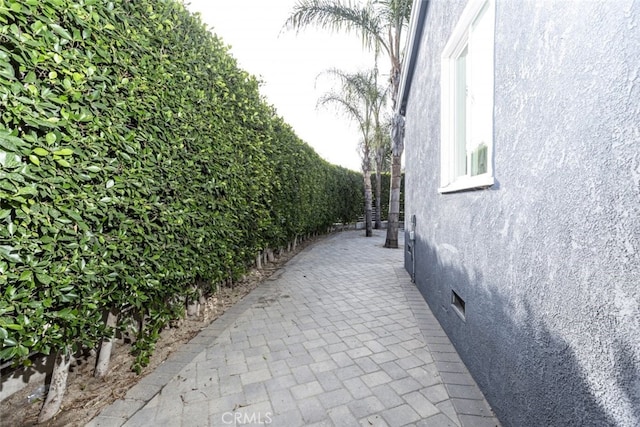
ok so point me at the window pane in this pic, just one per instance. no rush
(461, 116)
(481, 80)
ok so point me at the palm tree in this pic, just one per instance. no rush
(361, 99)
(381, 24)
(380, 144)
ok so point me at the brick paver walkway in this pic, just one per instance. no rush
(338, 337)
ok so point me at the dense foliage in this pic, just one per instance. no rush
(136, 160)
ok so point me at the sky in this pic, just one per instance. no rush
(288, 64)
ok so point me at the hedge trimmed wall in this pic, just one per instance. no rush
(136, 160)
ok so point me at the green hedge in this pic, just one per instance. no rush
(136, 160)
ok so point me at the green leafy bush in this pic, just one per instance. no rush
(136, 160)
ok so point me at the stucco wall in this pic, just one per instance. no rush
(548, 259)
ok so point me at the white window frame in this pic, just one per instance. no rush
(460, 141)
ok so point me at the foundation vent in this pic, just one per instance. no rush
(458, 304)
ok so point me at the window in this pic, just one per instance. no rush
(467, 100)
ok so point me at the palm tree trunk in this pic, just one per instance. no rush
(378, 225)
(394, 204)
(397, 143)
(367, 203)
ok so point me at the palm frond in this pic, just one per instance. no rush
(337, 15)
(343, 104)
(361, 84)
(361, 98)
(394, 13)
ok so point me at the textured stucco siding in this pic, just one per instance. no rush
(548, 259)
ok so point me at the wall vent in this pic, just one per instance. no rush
(458, 304)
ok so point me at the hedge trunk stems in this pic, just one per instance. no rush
(102, 364)
(193, 305)
(57, 387)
